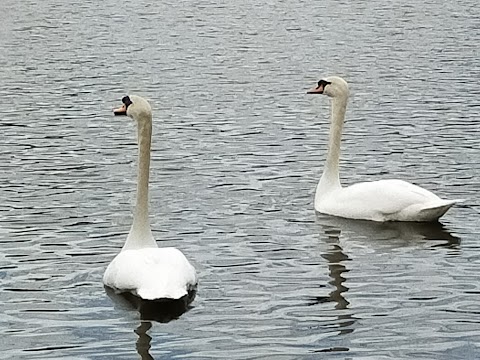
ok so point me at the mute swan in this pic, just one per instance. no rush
(141, 268)
(383, 200)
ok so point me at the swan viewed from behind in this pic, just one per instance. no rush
(382, 200)
(142, 268)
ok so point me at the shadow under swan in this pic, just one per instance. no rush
(160, 310)
(394, 233)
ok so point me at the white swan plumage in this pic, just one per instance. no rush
(141, 267)
(382, 200)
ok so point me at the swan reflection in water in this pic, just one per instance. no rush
(336, 260)
(392, 233)
(143, 343)
(162, 311)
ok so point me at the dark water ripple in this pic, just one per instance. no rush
(237, 152)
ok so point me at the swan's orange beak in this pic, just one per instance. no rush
(316, 90)
(122, 110)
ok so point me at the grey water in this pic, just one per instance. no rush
(237, 152)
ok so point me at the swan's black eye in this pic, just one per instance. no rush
(126, 100)
(322, 83)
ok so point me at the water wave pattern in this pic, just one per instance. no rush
(237, 152)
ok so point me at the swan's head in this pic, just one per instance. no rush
(135, 107)
(332, 86)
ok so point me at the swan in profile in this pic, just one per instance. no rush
(382, 200)
(142, 268)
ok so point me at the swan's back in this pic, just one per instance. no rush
(151, 273)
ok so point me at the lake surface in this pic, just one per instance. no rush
(237, 152)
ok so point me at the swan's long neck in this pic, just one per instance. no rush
(140, 235)
(330, 179)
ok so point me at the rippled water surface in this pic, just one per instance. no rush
(237, 151)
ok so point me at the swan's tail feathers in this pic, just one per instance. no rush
(435, 210)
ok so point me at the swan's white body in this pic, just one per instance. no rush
(158, 273)
(142, 268)
(383, 200)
